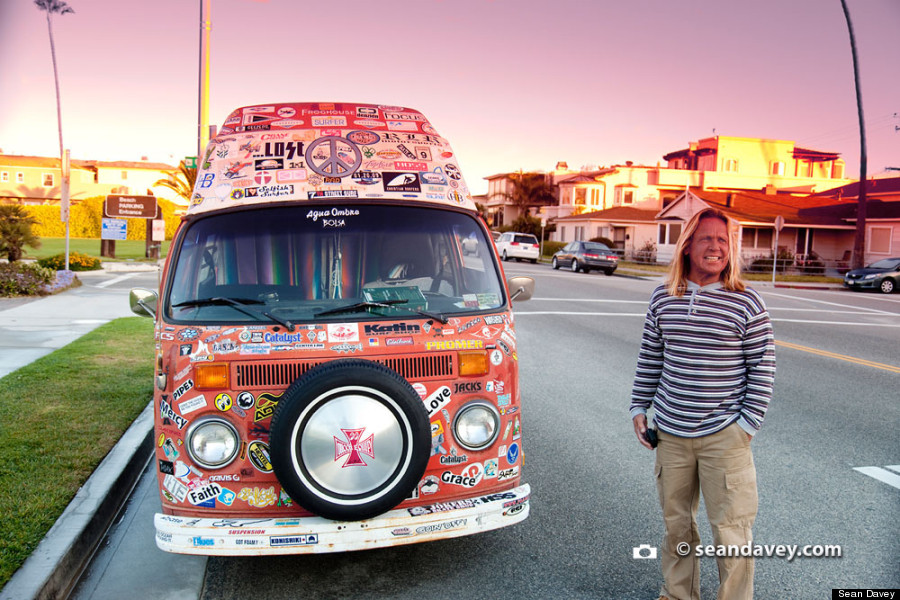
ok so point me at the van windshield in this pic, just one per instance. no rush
(293, 264)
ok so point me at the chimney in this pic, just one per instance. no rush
(628, 163)
(769, 189)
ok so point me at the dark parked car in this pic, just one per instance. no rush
(881, 275)
(585, 256)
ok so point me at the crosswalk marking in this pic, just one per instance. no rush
(882, 474)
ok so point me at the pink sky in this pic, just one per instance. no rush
(513, 84)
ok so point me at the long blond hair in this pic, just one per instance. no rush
(676, 281)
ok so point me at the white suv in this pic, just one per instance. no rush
(518, 246)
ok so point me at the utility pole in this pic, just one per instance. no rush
(203, 110)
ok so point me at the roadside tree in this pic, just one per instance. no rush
(182, 182)
(15, 231)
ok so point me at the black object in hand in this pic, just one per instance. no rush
(651, 437)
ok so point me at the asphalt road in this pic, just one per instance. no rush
(835, 410)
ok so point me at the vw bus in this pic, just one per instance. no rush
(336, 362)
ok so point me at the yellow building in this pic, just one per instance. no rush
(36, 179)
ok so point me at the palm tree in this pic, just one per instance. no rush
(859, 242)
(182, 183)
(530, 190)
(60, 8)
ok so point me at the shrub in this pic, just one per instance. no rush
(86, 218)
(604, 240)
(15, 231)
(812, 265)
(646, 253)
(763, 264)
(24, 279)
(77, 262)
(551, 248)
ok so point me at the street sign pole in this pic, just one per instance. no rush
(779, 225)
(64, 200)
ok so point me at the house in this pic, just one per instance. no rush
(716, 163)
(37, 179)
(819, 225)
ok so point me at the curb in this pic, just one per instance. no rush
(53, 569)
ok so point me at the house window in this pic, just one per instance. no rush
(777, 167)
(579, 196)
(628, 197)
(4, 176)
(579, 234)
(124, 175)
(669, 233)
(731, 165)
(47, 179)
(880, 240)
(837, 171)
(20, 177)
(667, 200)
(595, 196)
(756, 238)
(562, 234)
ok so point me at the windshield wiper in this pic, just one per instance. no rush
(386, 304)
(238, 303)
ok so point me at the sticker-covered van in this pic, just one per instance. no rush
(336, 363)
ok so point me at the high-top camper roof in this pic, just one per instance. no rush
(318, 151)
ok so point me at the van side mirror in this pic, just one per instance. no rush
(520, 287)
(143, 302)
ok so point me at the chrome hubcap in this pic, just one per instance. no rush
(351, 444)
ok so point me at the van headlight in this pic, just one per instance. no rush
(477, 425)
(212, 443)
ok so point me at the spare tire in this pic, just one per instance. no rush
(350, 440)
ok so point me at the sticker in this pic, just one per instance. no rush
(189, 406)
(245, 400)
(265, 406)
(437, 400)
(258, 453)
(223, 401)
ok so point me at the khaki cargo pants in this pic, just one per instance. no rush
(721, 467)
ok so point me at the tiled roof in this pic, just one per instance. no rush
(47, 162)
(874, 187)
(616, 213)
(815, 210)
(124, 164)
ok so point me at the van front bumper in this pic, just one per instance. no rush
(316, 535)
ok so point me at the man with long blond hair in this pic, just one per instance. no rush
(707, 368)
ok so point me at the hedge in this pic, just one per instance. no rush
(86, 218)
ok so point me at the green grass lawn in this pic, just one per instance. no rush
(59, 417)
(125, 249)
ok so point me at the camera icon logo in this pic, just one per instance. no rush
(643, 551)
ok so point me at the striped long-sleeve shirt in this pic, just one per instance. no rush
(707, 360)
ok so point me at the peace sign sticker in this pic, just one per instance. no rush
(333, 156)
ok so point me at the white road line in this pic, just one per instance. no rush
(871, 310)
(592, 300)
(893, 468)
(881, 475)
(822, 310)
(575, 312)
(851, 324)
(109, 282)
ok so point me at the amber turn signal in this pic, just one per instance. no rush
(211, 377)
(473, 363)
